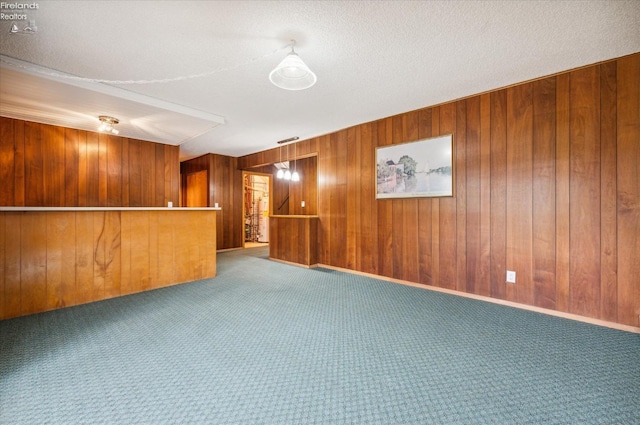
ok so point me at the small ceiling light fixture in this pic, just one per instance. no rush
(292, 73)
(107, 125)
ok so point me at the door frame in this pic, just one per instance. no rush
(270, 179)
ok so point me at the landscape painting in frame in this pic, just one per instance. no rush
(417, 169)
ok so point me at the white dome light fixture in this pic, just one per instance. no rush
(292, 73)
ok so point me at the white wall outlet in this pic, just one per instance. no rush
(302, 203)
(511, 276)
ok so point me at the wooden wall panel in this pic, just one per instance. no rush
(60, 260)
(608, 188)
(544, 225)
(71, 168)
(366, 249)
(468, 194)
(547, 184)
(562, 192)
(82, 168)
(33, 268)
(45, 165)
(34, 164)
(51, 260)
(498, 193)
(93, 171)
(53, 172)
(447, 211)
(519, 191)
(115, 172)
(19, 163)
(7, 162)
(628, 199)
(584, 196)
(135, 173)
(483, 286)
(12, 265)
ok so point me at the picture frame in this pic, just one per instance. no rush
(420, 169)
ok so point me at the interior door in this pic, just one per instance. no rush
(198, 189)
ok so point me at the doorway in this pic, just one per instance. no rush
(256, 209)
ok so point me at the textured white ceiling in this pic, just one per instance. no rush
(372, 58)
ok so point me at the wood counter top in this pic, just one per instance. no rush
(14, 209)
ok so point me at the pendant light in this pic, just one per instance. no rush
(287, 174)
(292, 73)
(295, 177)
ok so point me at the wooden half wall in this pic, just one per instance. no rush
(48, 166)
(547, 183)
(94, 255)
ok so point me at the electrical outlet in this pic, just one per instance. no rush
(302, 204)
(511, 276)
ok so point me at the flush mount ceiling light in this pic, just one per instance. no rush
(107, 124)
(292, 73)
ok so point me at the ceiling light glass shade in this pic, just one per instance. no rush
(280, 173)
(287, 175)
(107, 124)
(295, 177)
(292, 74)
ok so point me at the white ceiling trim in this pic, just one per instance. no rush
(61, 77)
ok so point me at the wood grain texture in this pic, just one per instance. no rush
(51, 260)
(546, 185)
(608, 192)
(45, 165)
(7, 161)
(33, 165)
(12, 305)
(33, 268)
(498, 193)
(519, 191)
(484, 268)
(544, 225)
(71, 168)
(628, 189)
(584, 196)
(448, 210)
(562, 192)
(299, 232)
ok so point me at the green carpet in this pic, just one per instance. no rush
(269, 343)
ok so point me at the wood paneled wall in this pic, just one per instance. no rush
(225, 188)
(293, 239)
(94, 255)
(45, 165)
(547, 183)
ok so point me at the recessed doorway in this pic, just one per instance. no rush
(256, 209)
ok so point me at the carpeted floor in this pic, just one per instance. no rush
(268, 343)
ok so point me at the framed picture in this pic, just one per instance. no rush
(417, 169)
